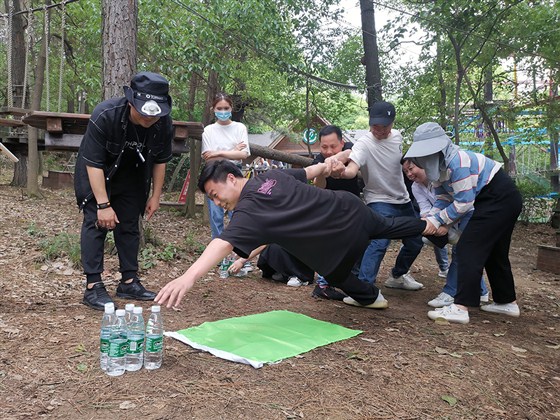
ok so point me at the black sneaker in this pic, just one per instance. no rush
(134, 290)
(96, 297)
(327, 292)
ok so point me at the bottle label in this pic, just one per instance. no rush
(135, 345)
(118, 347)
(104, 346)
(154, 344)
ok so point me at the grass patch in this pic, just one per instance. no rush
(62, 245)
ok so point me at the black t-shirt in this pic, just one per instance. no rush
(350, 185)
(322, 228)
(132, 165)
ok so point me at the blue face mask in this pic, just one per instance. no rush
(223, 115)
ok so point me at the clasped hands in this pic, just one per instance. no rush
(432, 230)
(333, 168)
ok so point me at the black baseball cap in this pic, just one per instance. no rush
(382, 113)
(149, 94)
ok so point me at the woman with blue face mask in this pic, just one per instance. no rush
(225, 139)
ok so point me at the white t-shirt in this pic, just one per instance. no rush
(218, 137)
(380, 164)
(425, 197)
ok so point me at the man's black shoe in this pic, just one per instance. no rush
(327, 292)
(96, 297)
(134, 290)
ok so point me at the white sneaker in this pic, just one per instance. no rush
(443, 299)
(406, 282)
(380, 302)
(484, 298)
(510, 309)
(443, 273)
(295, 282)
(451, 313)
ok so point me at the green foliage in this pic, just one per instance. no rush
(193, 245)
(33, 230)
(62, 245)
(150, 237)
(150, 255)
(533, 186)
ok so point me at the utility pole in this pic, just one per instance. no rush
(371, 53)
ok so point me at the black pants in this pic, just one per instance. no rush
(485, 243)
(128, 203)
(376, 227)
(275, 259)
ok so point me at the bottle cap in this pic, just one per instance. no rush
(155, 308)
(120, 312)
(109, 308)
(137, 309)
(129, 307)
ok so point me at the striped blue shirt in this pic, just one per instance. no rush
(467, 174)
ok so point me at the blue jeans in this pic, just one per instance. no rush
(441, 258)
(377, 248)
(451, 281)
(216, 216)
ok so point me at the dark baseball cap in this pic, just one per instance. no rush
(149, 94)
(382, 113)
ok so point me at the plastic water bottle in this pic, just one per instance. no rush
(153, 354)
(105, 335)
(135, 353)
(242, 272)
(224, 266)
(118, 345)
(129, 308)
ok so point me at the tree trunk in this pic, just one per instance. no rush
(267, 153)
(18, 52)
(20, 170)
(488, 99)
(552, 118)
(442, 105)
(19, 178)
(458, 82)
(194, 156)
(371, 52)
(488, 121)
(195, 151)
(33, 165)
(119, 43)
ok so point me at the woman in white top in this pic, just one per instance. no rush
(225, 139)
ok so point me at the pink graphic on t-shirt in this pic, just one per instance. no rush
(266, 187)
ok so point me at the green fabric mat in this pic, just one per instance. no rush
(263, 338)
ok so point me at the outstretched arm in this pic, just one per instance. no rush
(174, 291)
(318, 170)
(238, 263)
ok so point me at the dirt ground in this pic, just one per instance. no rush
(403, 366)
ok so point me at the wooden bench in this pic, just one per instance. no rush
(8, 122)
(64, 131)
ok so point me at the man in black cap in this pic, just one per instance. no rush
(126, 145)
(378, 156)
